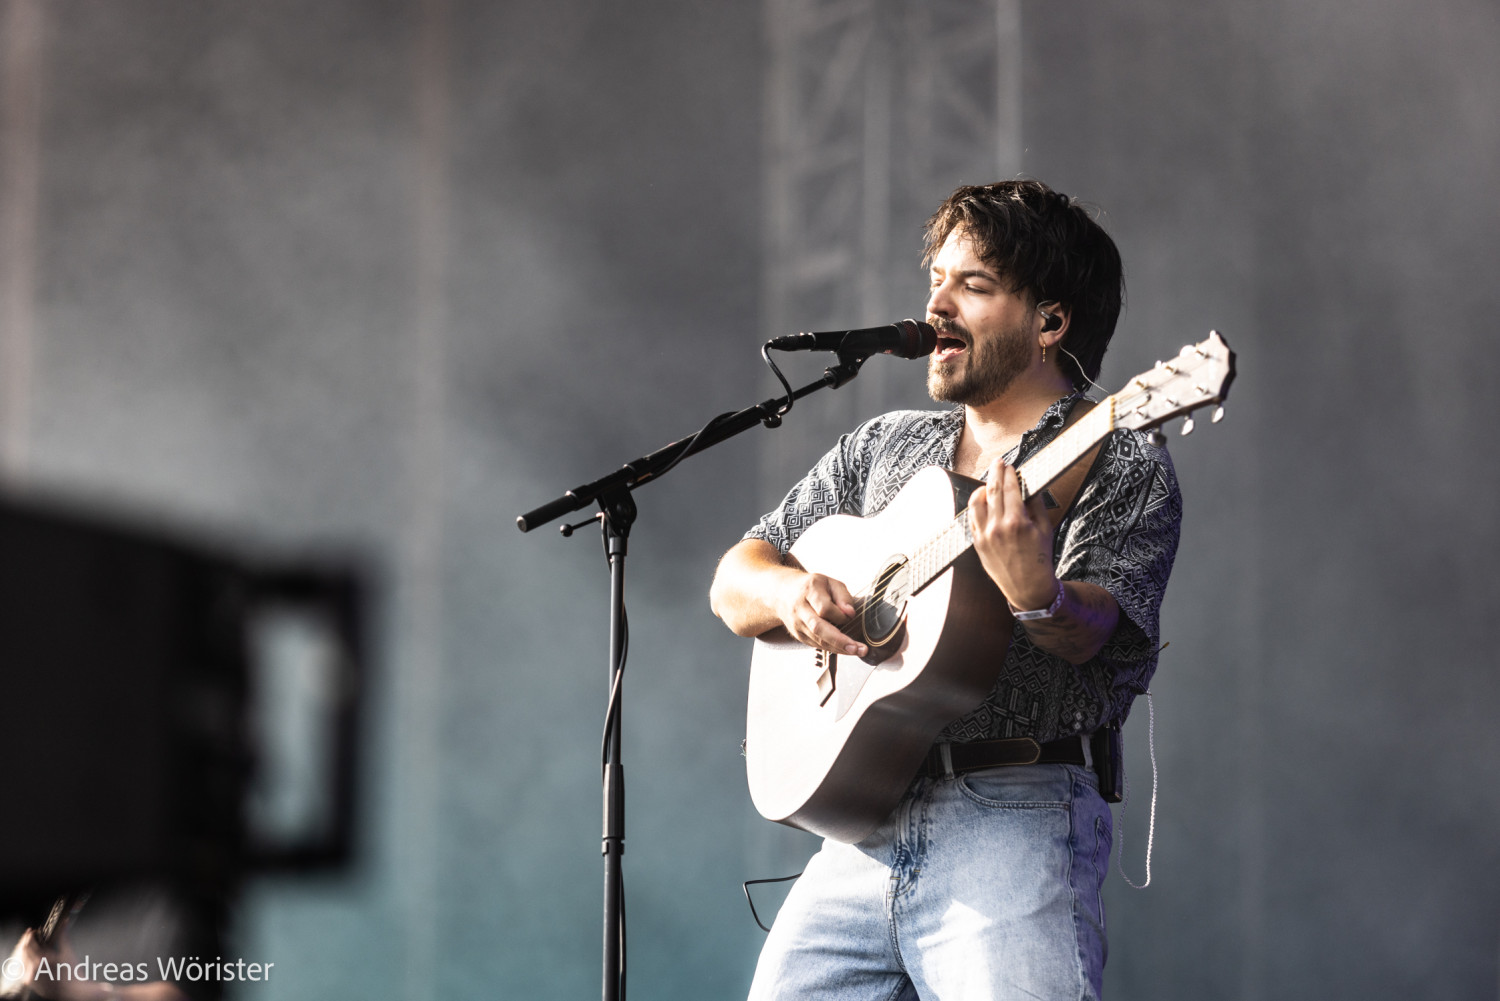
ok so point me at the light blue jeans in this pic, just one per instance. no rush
(981, 887)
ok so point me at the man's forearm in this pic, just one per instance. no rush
(744, 584)
(1082, 624)
(756, 589)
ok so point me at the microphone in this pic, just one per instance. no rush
(907, 339)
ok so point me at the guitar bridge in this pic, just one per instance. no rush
(828, 669)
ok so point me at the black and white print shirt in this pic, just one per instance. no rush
(1121, 534)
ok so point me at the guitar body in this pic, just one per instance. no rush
(832, 751)
(832, 742)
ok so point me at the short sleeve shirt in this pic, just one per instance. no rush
(1121, 534)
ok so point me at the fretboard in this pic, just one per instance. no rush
(938, 553)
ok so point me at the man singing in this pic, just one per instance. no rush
(984, 882)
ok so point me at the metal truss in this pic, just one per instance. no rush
(876, 109)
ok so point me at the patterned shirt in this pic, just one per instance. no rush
(1120, 534)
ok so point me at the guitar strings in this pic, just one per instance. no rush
(1125, 401)
(864, 601)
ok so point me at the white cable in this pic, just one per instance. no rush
(1150, 735)
(1080, 369)
(1151, 827)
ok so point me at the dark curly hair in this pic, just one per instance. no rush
(1048, 246)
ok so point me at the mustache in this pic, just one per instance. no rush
(944, 325)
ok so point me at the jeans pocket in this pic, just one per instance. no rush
(1034, 786)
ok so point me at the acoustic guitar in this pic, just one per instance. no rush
(833, 741)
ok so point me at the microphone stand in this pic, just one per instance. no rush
(617, 513)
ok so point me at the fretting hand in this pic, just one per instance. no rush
(1013, 539)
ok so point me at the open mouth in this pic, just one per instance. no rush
(949, 346)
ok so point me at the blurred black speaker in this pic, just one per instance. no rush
(168, 710)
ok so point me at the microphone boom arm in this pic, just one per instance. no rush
(638, 472)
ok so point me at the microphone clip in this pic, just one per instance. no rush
(835, 376)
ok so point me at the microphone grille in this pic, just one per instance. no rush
(917, 339)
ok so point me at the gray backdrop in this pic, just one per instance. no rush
(387, 272)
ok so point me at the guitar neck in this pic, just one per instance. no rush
(936, 555)
(1067, 448)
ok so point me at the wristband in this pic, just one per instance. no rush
(1040, 613)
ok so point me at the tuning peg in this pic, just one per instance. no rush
(1158, 439)
(1187, 426)
(1218, 414)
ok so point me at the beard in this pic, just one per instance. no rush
(984, 372)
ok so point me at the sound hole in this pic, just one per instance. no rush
(883, 612)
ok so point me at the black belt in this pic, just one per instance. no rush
(977, 754)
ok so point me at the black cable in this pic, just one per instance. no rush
(690, 441)
(772, 420)
(613, 709)
(687, 444)
(611, 718)
(746, 887)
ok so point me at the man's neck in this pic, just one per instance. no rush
(999, 424)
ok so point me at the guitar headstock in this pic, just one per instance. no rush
(1198, 375)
